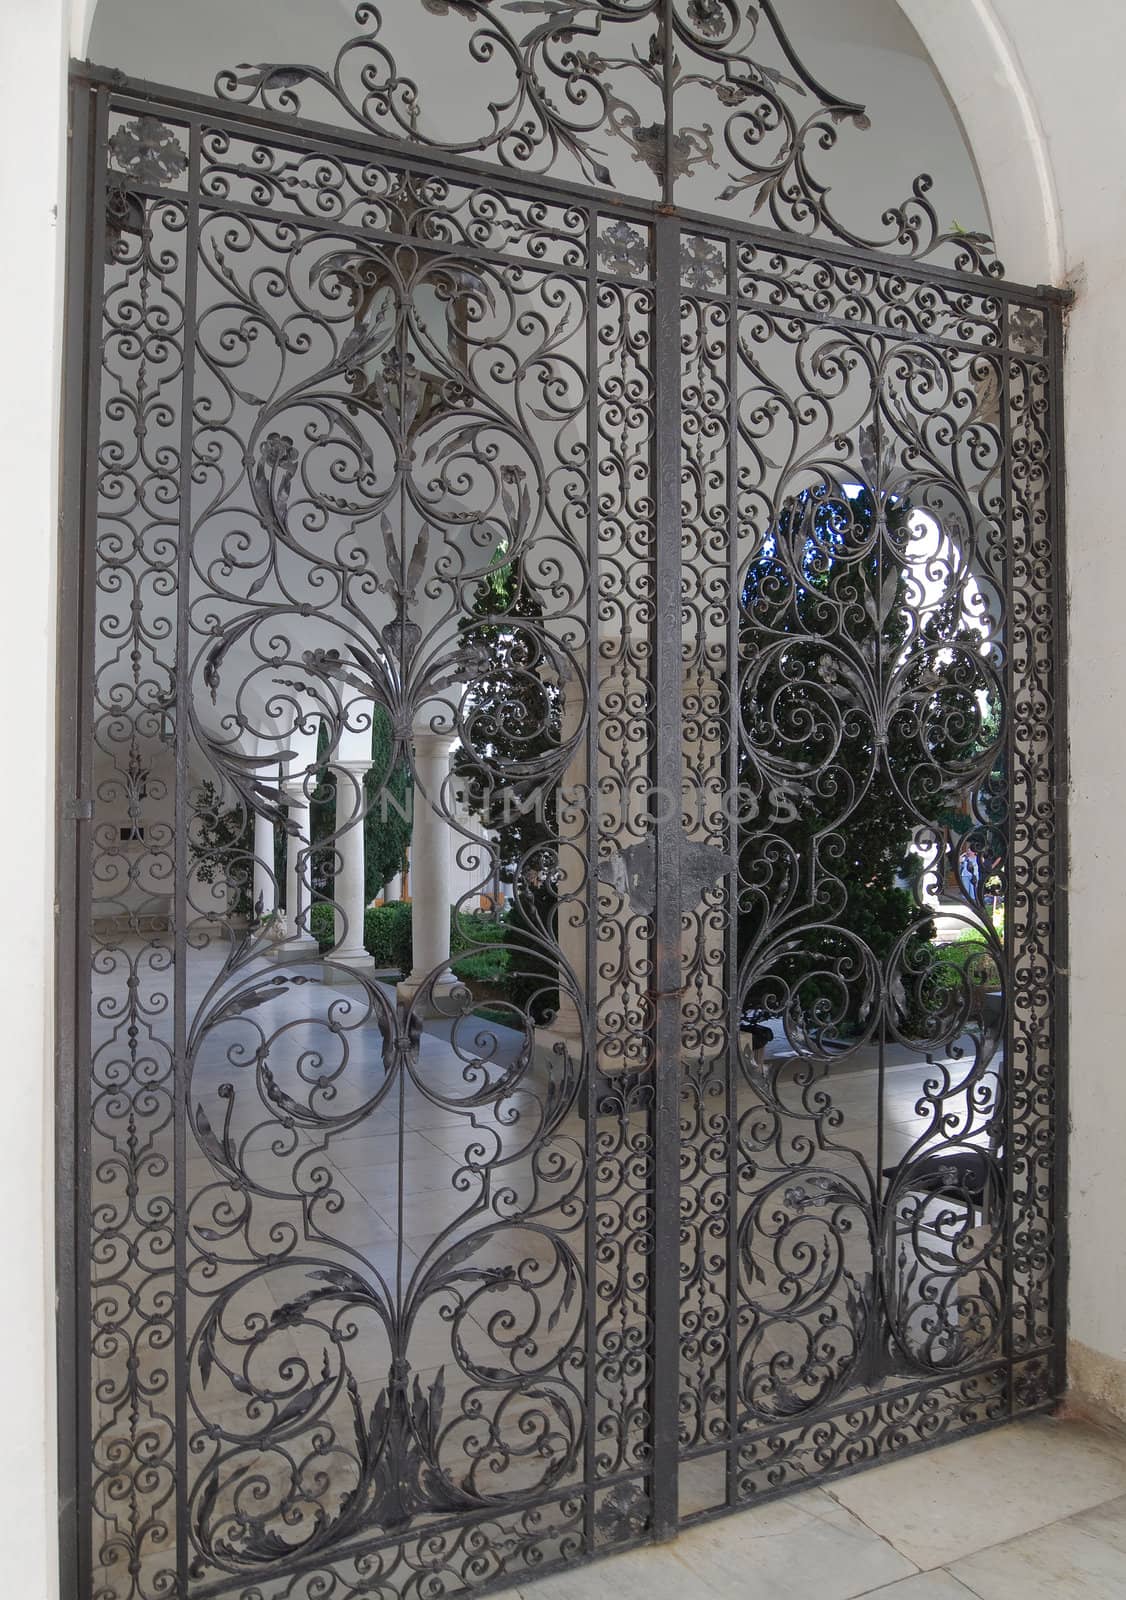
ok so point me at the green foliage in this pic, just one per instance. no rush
(490, 967)
(970, 954)
(512, 728)
(396, 918)
(387, 939)
(828, 613)
(387, 800)
(532, 983)
(495, 1013)
(387, 933)
(322, 823)
(879, 914)
(321, 925)
(512, 720)
(473, 931)
(221, 846)
(281, 852)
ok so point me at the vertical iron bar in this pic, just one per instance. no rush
(183, 822)
(1060, 1022)
(83, 1033)
(587, 1008)
(878, 1313)
(734, 1007)
(666, 962)
(85, 229)
(668, 94)
(1005, 1080)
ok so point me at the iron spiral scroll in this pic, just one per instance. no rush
(715, 550)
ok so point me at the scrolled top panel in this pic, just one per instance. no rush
(705, 104)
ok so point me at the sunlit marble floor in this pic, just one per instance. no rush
(324, 1088)
(1033, 1511)
(290, 1095)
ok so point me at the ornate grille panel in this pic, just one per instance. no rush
(686, 595)
(859, 1160)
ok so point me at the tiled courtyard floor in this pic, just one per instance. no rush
(1035, 1511)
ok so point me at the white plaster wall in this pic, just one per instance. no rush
(1074, 71)
(1014, 67)
(32, 120)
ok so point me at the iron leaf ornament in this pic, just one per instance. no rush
(148, 151)
(581, 76)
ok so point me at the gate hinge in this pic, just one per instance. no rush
(78, 810)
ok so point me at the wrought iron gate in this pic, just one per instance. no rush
(698, 585)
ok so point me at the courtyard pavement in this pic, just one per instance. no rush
(1032, 1511)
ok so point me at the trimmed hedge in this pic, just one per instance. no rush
(484, 966)
(387, 935)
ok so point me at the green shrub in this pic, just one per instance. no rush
(968, 952)
(532, 981)
(321, 925)
(387, 937)
(489, 966)
(470, 930)
(399, 942)
(382, 933)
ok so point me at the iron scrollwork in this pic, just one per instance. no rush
(373, 1247)
(570, 81)
(849, 1190)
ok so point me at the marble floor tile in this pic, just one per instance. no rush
(379, 1150)
(481, 1144)
(805, 1547)
(1107, 1522)
(646, 1574)
(972, 1493)
(937, 1585)
(1066, 1561)
(381, 1182)
(703, 1484)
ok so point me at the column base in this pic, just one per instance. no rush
(298, 947)
(434, 993)
(349, 969)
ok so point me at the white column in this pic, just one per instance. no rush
(348, 892)
(430, 871)
(297, 868)
(265, 885)
(393, 888)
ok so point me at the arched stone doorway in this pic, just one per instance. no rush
(746, 533)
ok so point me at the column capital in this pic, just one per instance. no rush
(355, 767)
(294, 789)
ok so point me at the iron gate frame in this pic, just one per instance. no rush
(93, 90)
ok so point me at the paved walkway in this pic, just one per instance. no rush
(1035, 1511)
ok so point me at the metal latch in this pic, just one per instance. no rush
(78, 810)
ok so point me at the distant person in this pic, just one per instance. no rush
(969, 871)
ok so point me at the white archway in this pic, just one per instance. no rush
(977, 62)
(1075, 94)
(979, 67)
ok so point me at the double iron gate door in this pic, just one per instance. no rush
(696, 584)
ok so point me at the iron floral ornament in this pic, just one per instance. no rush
(579, 75)
(148, 151)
